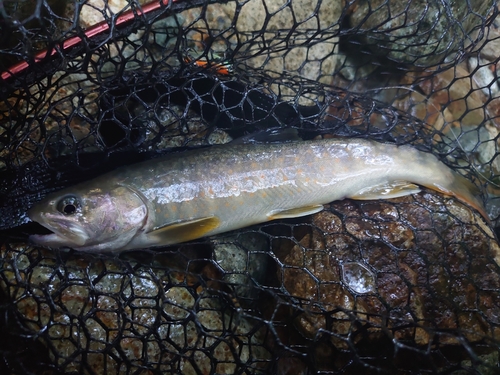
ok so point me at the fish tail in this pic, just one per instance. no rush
(465, 191)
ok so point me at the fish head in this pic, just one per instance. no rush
(90, 218)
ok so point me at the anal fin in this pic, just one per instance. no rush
(387, 190)
(183, 231)
(295, 212)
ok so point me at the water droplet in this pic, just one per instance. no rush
(358, 278)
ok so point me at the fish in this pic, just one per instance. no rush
(192, 194)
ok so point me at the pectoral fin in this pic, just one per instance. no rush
(295, 212)
(388, 190)
(184, 231)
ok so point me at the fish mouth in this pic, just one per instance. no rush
(64, 232)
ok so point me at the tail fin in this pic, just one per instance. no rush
(465, 191)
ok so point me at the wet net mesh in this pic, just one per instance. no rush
(402, 286)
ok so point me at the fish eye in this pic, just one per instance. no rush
(68, 205)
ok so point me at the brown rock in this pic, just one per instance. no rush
(403, 269)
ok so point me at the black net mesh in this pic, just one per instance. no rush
(402, 286)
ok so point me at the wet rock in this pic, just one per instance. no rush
(233, 26)
(419, 32)
(420, 270)
(489, 49)
(165, 127)
(95, 11)
(455, 90)
(106, 316)
(139, 49)
(483, 74)
(243, 261)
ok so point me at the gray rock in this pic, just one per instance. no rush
(242, 259)
(106, 316)
(419, 32)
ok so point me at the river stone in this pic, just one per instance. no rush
(418, 32)
(274, 36)
(421, 270)
(107, 316)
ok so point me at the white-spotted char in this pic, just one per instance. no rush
(204, 192)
